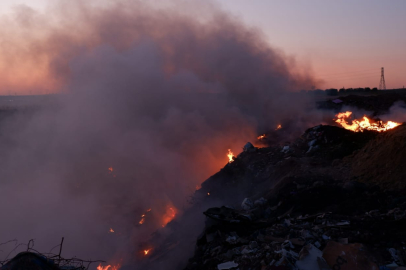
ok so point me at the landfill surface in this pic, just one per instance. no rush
(325, 212)
(331, 199)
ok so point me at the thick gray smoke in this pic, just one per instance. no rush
(158, 95)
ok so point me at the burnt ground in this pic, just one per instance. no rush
(331, 199)
(313, 194)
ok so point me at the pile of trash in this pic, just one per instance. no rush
(272, 234)
(306, 206)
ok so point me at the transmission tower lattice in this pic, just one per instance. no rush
(382, 85)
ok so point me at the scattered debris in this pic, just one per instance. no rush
(227, 265)
(248, 147)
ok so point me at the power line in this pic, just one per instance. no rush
(351, 79)
(350, 76)
(347, 72)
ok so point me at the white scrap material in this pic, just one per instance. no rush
(309, 257)
(285, 149)
(227, 265)
(247, 204)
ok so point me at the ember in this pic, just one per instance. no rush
(111, 230)
(143, 217)
(365, 124)
(278, 127)
(110, 169)
(169, 215)
(146, 251)
(261, 137)
(230, 156)
(107, 267)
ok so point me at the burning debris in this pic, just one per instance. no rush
(169, 215)
(364, 124)
(230, 156)
(108, 267)
(261, 137)
(142, 220)
(278, 127)
(111, 230)
(317, 216)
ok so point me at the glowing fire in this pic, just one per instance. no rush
(146, 251)
(143, 217)
(261, 137)
(208, 193)
(107, 267)
(230, 156)
(278, 127)
(364, 124)
(111, 230)
(111, 169)
(169, 215)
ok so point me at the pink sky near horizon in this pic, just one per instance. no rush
(342, 43)
(345, 43)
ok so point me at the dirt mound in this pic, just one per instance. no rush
(382, 160)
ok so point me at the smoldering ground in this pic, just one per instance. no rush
(158, 95)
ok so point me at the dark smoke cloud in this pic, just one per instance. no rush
(157, 94)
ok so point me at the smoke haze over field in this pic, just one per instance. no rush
(157, 94)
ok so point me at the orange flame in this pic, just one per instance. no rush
(169, 215)
(260, 137)
(142, 221)
(230, 156)
(107, 267)
(111, 230)
(111, 169)
(364, 124)
(146, 251)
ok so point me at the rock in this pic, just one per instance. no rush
(347, 257)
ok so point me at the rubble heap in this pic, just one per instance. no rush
(306, 208)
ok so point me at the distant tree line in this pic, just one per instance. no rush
(334, 92)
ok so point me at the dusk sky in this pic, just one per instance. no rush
(344, 43)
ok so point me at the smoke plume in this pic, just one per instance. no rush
(156, 94)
